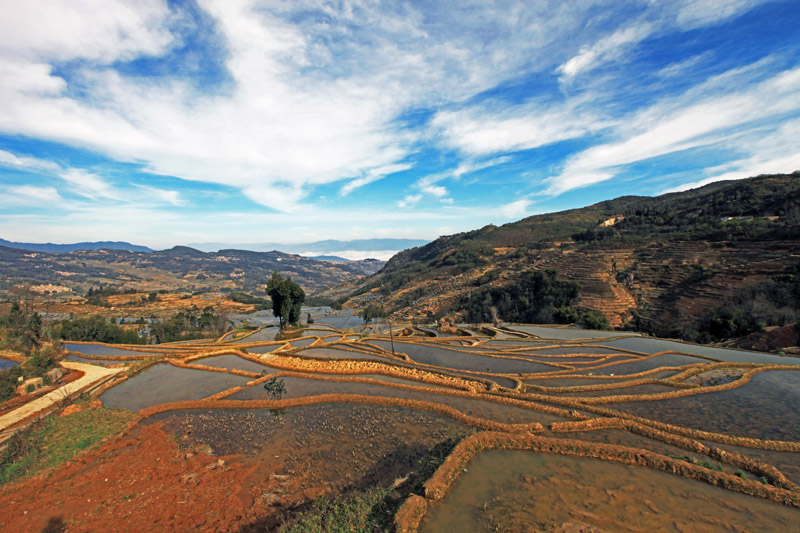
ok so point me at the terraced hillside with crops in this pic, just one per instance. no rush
(470, 427)
(667, 265)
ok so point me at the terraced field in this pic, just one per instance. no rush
(611, 431)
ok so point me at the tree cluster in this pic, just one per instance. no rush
(95, 329)
(189, 325)
(22, 331)
(371, 312)
(537, 297)
(287, 298)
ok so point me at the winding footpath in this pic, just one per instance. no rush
(93, 375)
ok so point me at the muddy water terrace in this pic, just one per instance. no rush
(563, 429)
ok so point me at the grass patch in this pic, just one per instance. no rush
(53, 440)
(354, 512)
(372, 510)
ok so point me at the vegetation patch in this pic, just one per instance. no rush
(55, 439)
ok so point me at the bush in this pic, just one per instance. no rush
(594, 320)
(728, 322)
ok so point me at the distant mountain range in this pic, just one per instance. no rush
(178, 269)
(352, 249)
(64, 248)
(328, 250)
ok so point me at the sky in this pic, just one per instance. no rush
(165, 123)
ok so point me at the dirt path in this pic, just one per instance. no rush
(92, 375)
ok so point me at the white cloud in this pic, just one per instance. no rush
(516, 209)
(696, 13)
(146, 225)
(409, 200)
(103, 30)
(89, 185)
(162, 195)
(307, 102)
(607, 49)
(372, 175)
(481, 130)
(680, 67)
(472, 166)
(32, 78)
(30, 163)
(435, 190)
(356, 255)
(774, 153)
(30, 195)
(688, 122)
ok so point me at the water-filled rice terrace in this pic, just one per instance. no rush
(561, 428)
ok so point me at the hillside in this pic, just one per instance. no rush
(665, 265)
(179, 268)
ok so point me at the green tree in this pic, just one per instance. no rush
(287, 298)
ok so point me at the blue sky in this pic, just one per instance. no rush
(164, 123)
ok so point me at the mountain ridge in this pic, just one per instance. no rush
(73, 247)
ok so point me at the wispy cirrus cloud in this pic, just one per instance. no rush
(688, 122)
(29, 195)
(89, 185)
(482, 131)
(372, 175)
(32, 163)
(767, 153)
(166, 196)
(607, 49)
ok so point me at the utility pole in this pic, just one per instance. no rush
(389, 319)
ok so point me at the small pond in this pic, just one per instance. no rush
(163, 383)
(231, 361)
(99, 349)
